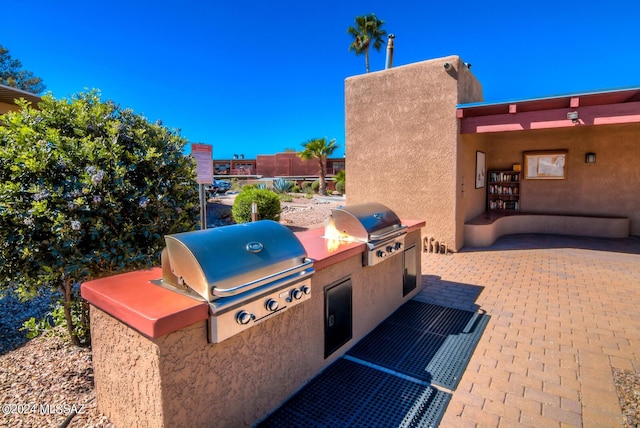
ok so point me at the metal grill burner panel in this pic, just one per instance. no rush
(247, 272)
(374, 224)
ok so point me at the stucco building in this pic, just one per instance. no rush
(415, 135)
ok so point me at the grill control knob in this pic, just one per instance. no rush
(305, 289)
(381, 253)
(398, 245)
(296, 294)
(243, 317)
(271, 305)
(391, 249)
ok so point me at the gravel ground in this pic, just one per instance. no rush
(45, 379)
(628, 387)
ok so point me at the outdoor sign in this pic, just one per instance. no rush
(203, 154)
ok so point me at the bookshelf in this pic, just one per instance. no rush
(503, 191)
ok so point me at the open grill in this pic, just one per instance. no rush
(247, 272)
(372, 223)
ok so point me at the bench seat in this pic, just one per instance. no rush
(485, 229)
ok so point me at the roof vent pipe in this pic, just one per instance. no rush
(389, 61)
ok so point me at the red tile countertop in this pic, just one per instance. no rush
(152, 310)
(155, 311)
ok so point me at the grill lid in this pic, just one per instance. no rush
(230, 260)
(366, 222)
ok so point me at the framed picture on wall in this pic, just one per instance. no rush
(545, 165)
(480, 169)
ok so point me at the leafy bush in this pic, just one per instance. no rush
(307, 187)
(235, 185)
(341, 178)
(315, 186)
(267, 201)
(87, 190)
(280, 185)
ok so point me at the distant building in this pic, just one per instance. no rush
(286, 164)
(238, 166)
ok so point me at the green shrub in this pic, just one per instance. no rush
(267, 201)
(285, 197)
(261, 186)
(87, 190)
(236, 186)
(315, 186)
(307, 187)
(341, 179)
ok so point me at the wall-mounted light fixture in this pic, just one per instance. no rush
(573, 116)
(590, 157)
(468, 65)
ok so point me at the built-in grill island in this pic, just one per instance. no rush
(374, 224)
(238, 318)
(247, 273)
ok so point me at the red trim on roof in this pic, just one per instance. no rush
(557, 118)
(603, 108)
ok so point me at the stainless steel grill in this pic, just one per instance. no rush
(247, 272)
(372, 223)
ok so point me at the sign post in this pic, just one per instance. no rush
(203, 154)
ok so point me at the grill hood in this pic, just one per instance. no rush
(366, 222)
(230, 260)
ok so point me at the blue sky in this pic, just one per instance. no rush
(257, 77)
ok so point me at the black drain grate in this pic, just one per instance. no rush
(418, 345)
(429, 342)
(348, 394)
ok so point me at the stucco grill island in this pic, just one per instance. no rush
(247, 272)
(154, 340)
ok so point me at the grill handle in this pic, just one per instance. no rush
(396, 230)
(226, 292)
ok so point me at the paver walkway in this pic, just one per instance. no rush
(564, 312)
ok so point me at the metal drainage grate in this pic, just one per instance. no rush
(429, 342)
(349, 394)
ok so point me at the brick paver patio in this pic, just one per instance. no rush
(564, 312)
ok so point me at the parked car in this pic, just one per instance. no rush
(219, 186)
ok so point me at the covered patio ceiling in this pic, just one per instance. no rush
(595, 108)
(8, 94)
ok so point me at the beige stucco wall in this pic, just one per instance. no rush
(181, 380)
(607, 188)
(402, 144)
(471, 201)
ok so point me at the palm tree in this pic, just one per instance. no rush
(318, 148)
(366, 33)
